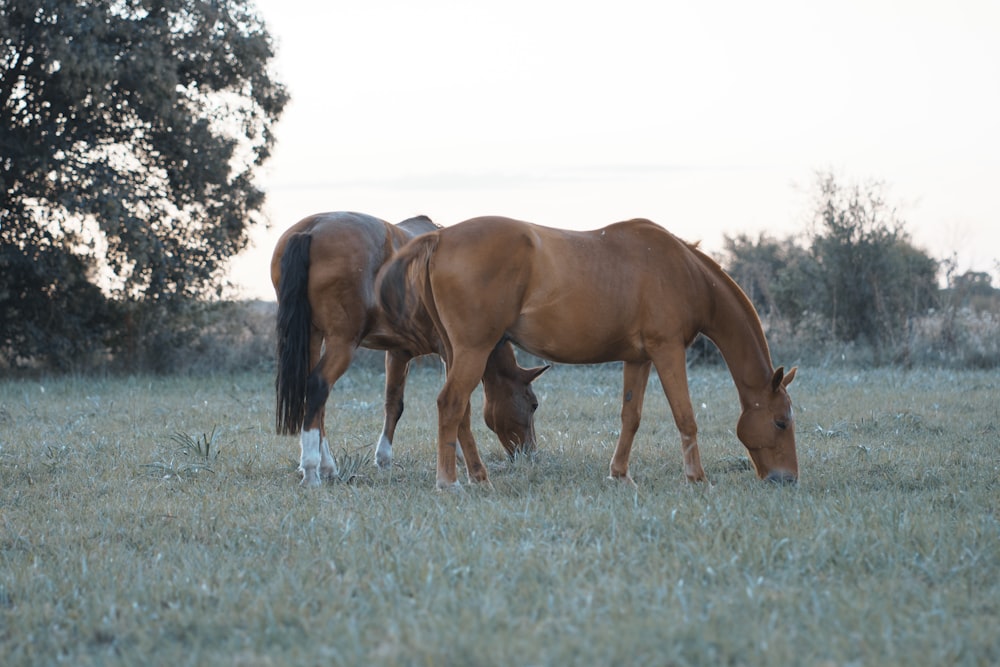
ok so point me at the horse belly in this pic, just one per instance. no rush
(582, 335)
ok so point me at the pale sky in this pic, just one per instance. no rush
(708, 117)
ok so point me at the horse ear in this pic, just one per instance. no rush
(790, 376)
(531, 374)
(779, 374)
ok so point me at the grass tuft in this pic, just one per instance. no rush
(353, 466)
(204, 446)
(193, 455)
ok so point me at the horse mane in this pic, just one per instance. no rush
(419, 223)
(743, 302)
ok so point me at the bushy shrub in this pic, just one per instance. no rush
(966, 338)
(854, 289)
(220, 337)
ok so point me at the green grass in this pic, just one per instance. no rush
(159, 521)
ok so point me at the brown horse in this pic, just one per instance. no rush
(630, 292)
(323, 269)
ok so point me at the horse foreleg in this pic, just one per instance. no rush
(672, 371)
(636, 376)
(397, 367)
(470, 451)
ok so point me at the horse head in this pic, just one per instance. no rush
(509, 402)
(767, 429)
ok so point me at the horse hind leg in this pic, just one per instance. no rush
(397, 367)
(316, 461)
(327, 464)
(464, 373)
(313, 441)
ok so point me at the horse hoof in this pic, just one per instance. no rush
(782, 478)
(482, 484)
(625, 480)
(696, 475)
(454, 487)
(383, 462)
(310, 479)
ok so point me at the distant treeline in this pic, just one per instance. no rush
(852, 289)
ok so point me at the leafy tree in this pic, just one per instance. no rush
(870, 278)
(857, 278)
(129, 134)
(969, 290)
(972, 284)
(770, 271)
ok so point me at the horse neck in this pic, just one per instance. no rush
(735, 328)
(502, 362)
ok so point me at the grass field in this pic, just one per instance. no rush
(158, 521)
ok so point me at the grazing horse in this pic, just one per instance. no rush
(630, 292)
(323, 269)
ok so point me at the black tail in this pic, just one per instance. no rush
(294, 325)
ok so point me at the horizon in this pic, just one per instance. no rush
(710, 120)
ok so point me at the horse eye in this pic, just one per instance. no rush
(781, 424)
(534, 405)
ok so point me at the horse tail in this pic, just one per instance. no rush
(294, 325)
(404, 292)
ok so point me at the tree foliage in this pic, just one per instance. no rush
(129, 135)
(857, 272)
(769, 271)
(870, 277)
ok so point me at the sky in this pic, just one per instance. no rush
(711, 118)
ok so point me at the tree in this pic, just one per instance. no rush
(855, 278)
(770, 271)
(870, 278)
(129, 135)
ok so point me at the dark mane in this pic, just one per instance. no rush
(420, 224)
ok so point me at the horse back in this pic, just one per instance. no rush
(495, 259)
(553, 291)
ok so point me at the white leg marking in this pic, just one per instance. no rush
(328, 465)
(383, 452)
(309, 462)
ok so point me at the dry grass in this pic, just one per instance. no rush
(126, 539)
